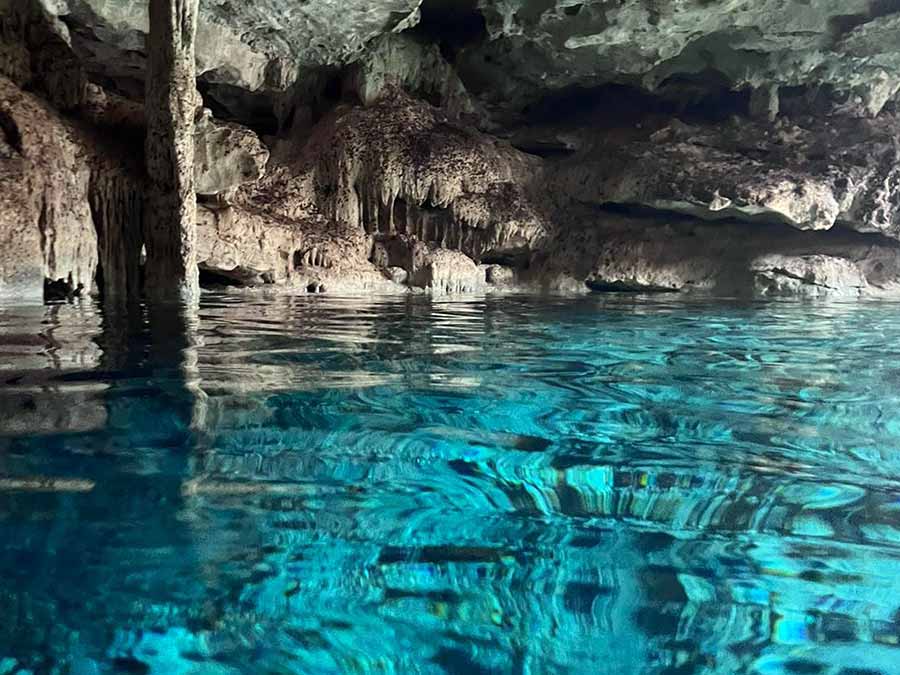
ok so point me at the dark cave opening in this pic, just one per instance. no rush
(239, 277)
(615, 102)
(214, 279)
(11, 132)
(703, 98)
(59, 290)
(519, 259)
(100, 281)
(600, 286)
(227, 102)
(450, 24)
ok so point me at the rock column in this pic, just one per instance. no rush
(764, 102)
(170, 230)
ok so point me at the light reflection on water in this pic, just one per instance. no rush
(315, 485)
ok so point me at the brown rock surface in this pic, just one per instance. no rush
(51, 173)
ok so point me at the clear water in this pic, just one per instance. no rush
(313, 485)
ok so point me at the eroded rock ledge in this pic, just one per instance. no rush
(659, 150)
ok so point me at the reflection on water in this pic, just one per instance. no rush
(313, 485)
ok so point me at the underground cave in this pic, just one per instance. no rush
(450, 337)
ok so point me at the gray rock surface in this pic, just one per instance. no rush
(225, 156)
(807, 276)
(536, 46)
(826, 172)
(654, 253)
(529, 47)
(398, 61)
(247, 44)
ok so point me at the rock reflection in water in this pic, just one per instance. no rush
(38, 346)
(499, 485)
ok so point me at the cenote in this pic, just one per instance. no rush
(449, 337)
(315, 484)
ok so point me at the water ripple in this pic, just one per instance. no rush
(517, 485)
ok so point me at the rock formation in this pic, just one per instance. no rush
(68, 200)
(170, 227)
(452, 146)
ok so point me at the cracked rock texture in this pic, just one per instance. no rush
(807, 275)
(248, 44)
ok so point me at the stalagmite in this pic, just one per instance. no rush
(764, 102)
(170, 219)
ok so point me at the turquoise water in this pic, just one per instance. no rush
(314, 485)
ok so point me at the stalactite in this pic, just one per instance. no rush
(369, 161)
(116, 203)
(170, 230)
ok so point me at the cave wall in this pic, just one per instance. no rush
(467, 145)
(66, 198)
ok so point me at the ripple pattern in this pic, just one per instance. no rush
(515, 485)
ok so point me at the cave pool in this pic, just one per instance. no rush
(605, 484)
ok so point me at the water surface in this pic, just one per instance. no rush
(324, 485)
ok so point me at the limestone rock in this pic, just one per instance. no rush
(399, 61)
(232, 241)
(499, 275)
(812, 177)
(445, 272)
(807, 276)
(225, 156)
(735, 150)
(171, 102)
(244, 247)
(535, 47)
(397, 274)
(46, 225)
(380, 255)
(650, 253)
(238, 44)
(400, 168)
(525, 48)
